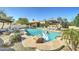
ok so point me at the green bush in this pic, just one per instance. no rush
(16, 31)
(15, 38)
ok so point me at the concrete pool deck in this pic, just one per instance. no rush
(47, 46)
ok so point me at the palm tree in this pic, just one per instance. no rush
(71, 37)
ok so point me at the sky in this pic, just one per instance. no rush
(41, 13)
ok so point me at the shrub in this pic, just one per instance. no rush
(16, 37)
(17, 31)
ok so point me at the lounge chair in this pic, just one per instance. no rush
(3, 30)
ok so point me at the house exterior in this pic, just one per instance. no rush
(52, 23)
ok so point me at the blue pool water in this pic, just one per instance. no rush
(37, 32)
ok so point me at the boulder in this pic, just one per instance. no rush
(7, 44)
(40, 40)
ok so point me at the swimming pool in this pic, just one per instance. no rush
(38, 32)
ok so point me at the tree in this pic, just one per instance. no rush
(22, 21)
(33, 19)
(76, 20)
(60, 20)
(2, 15)
(4, 18)
(71, 37)
(71, 23)
(2, 26)
(10, 20)
(46, 23)
(63, 22)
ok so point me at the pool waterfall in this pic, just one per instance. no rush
(45, 36)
